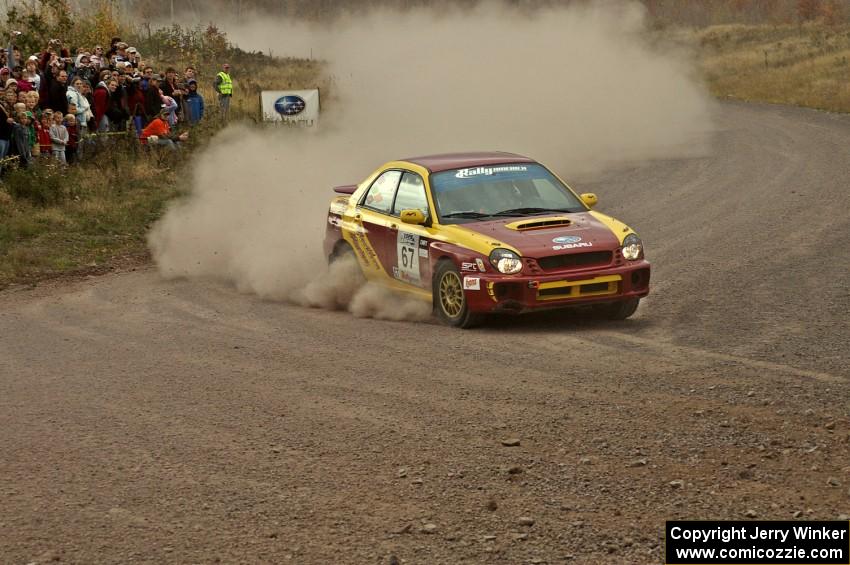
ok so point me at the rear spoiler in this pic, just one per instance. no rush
(346, 189)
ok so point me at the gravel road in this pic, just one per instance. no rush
(151, 421)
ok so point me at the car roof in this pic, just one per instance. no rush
(446, 161)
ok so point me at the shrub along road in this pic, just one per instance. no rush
(152, 421)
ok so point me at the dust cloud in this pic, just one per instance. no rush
(580, 89)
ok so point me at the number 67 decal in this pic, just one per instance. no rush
(407, 246)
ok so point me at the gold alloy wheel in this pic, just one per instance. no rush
(451, 294)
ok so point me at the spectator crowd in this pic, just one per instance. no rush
(54, 103)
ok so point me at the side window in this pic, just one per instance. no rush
(380, 195)
(411, 194)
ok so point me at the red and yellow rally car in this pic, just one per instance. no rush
(476, 233)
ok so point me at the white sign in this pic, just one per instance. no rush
(294, 106)
(408, 260)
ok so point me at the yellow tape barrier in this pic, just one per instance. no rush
(105, 134)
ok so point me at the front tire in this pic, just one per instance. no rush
(620, 310)
(450, 302)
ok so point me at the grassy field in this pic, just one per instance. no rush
(805, 65)
(94, 216)
(82, 218)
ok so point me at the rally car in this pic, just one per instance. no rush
(477, 233)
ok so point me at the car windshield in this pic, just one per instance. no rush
(499, 191)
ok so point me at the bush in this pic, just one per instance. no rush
(45, 183)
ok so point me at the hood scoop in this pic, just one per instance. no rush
(539, 223)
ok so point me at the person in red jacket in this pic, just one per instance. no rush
(158, 132)
(102, 98)
(42, 132)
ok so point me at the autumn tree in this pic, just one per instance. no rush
(808, 10)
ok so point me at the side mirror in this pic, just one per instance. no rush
(413, 217)
(589, 199)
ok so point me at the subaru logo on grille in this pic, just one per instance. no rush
(566, 239)
(290, 105)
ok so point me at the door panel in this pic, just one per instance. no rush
(374, 219)
(408, 243)
(377, 230)
(355, 232)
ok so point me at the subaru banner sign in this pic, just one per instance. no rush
(298, 107)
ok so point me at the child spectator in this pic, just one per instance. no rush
(194, 103)
(58, 137)
(33, 138)
(32, 104)
(43, 133)
(73, 138)
(21, 144)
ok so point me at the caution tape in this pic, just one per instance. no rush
(105, 134)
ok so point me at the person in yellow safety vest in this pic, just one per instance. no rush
(224, 87)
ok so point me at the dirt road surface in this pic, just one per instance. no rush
(146, 421)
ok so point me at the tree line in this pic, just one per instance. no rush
(666, 12)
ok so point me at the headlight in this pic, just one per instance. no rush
(506, 261)
(632, 247)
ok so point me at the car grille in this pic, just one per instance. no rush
(574, 260)
(598, 286)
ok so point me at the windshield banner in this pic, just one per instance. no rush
(297, 107)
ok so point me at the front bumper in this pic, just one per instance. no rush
(494, 292)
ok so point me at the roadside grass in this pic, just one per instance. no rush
(103, 222)
(806, 65)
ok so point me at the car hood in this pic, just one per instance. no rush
(541, 236)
